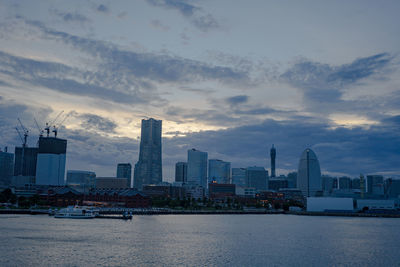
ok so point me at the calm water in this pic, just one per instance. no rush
(200, 240)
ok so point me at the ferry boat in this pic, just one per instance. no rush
(76, 212)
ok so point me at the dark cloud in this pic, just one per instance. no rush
(70, 16)
(196, 15)
(197, 90)
(239, 99)
(323, 85)
(323, 82)
(97, 123)
(182, 6)
(102, 8)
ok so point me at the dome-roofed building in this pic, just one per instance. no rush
(309, 174)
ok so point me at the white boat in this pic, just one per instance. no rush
(76, 212)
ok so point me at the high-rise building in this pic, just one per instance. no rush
(124, 170)
(257, 177)
(239, 176)
(81, 181)
(355, 183)
(148, 170)
(273, 156)
(25, 161)
(345, 183)
(51, 157)
(292, 180)
(197, 167)
(309, 174)
(181, 172)
(6, 168)
(327, 184)
(375, 185)
(392, 188)
(219, 171)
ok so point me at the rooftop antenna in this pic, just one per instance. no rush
(48, 124)
(55, 127)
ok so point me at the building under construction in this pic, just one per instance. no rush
(46, 162)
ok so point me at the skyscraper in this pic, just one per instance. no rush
(257, 177)
(6, 168)
(273, 156)
(239, 176)
(309, 174)
(181, 172)
(219, 171)
(25, 161)
(148, 170)
(51, 157)
(197, 167)
(124, 170)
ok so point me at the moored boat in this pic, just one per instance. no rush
(76, 212)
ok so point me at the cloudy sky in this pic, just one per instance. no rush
(227, 77)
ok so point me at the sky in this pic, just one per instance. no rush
(227, 77)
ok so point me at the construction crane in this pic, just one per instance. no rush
(41, 131)
(48, 124)
(26, 131)
(55, 127)
(20, 136)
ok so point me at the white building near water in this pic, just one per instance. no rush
(321, 204)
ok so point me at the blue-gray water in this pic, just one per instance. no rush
(200, 240)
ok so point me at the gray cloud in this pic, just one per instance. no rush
(97, 123)
(161, 68)
(65, 79)
(196, 15)
(236, 100)
(159, 25)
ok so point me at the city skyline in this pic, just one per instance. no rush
(230, 81)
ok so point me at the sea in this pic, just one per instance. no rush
(200, 240)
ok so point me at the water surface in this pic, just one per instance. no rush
(200, 240)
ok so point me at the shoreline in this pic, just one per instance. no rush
(219, 212)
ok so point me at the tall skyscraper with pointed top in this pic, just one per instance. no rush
(148, 170)
(273, 156)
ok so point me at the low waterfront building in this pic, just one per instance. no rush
(376, 204)
(194, 191)
(111, 183)
(221, 191)
(247, 192)
(165, 191)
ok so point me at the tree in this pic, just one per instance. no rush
(23, 202)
